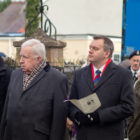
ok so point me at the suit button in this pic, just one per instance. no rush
(91, 119)
(88, 116)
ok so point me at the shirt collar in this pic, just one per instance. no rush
(101, 69)
(134, 71)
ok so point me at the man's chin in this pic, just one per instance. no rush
(23, 69)
(26, 71)
(135, 69)
(90, 60)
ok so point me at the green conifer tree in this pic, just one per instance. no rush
(4, 4)
(32, 20)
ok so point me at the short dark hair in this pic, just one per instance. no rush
(108, 44)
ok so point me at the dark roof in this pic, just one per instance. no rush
(12, 19)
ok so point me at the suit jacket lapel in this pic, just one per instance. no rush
(88, 77)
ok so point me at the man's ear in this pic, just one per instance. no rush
(39, 58)
(107, 54)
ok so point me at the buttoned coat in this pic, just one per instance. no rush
(38, 112)
(115, 92)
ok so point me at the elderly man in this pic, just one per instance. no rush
(133, 123)
(135, 64)
(113, 86)
(34, 106)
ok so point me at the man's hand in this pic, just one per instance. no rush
(81, 119)
(86, 119)
(69, 124)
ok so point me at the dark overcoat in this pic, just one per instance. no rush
(134, 78)
(38, 112)
(134, 121)
(5, 73)
(115, 92)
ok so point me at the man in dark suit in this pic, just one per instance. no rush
(34, 107)
(114, 89)
(134, 59)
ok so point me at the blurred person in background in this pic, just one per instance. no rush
(133, 64)
(125, 63)
(5, 73)
(133, 123)
(134, 67)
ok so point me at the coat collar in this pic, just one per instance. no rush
(37, 78)
(106, 75)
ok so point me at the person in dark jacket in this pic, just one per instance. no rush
(112, 84)
(4, 81)
(34, 108)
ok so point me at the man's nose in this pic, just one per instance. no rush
(21, 60)
(90, 51)
(136, 62)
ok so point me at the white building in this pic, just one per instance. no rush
(77, 20)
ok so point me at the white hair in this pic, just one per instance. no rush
(38, 48)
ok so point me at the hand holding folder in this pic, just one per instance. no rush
(88, 104)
